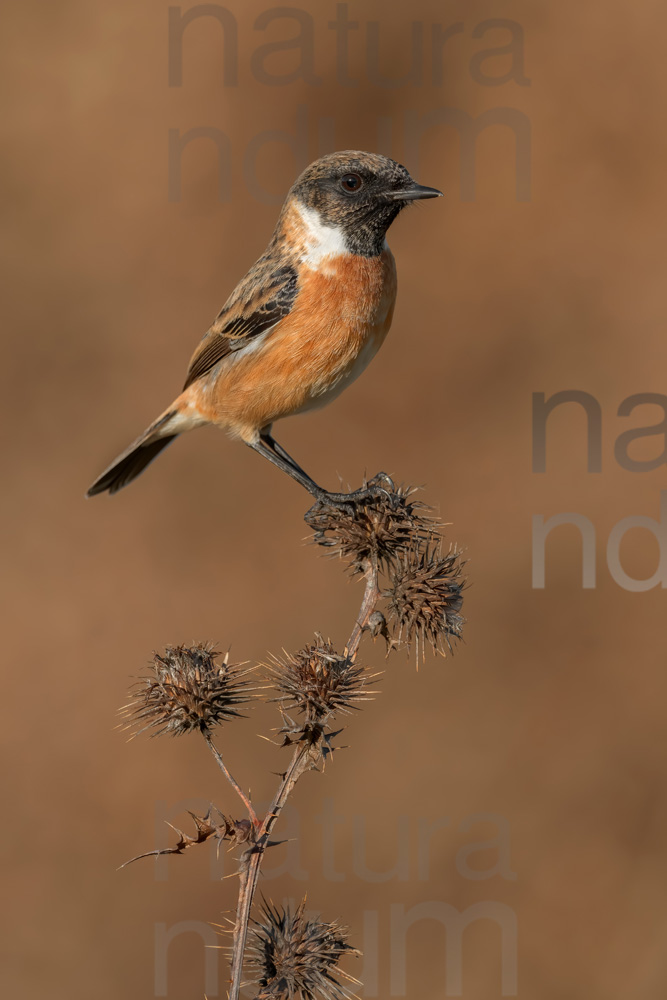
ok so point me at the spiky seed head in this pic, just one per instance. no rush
(187, 690)
(291, 956)
(379, 529)
(317, 681)
(425, 597)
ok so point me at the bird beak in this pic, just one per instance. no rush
(415, 192)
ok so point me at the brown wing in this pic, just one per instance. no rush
(264, 297)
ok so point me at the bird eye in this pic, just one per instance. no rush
(351, 182)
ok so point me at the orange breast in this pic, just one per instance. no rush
(340, 318)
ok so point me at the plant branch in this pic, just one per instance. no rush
(371, 597)
(232, 781)
(306, 756)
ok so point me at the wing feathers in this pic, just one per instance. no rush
(264, 297)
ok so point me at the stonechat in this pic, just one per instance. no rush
(303, 323)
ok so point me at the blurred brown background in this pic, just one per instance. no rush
(551, 716)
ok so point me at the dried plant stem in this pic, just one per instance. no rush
(232, 780)
(371, 597)
(390, 542)
(306, 755)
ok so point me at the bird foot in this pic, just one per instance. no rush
(371, 491)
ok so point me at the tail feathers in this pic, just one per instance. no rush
(134, 459)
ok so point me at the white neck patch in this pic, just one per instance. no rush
(321, 241)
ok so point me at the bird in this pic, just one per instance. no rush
(302, 324)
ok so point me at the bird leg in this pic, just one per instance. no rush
(276, 454)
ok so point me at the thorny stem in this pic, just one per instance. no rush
(371, 597)
(232, 780)
(304, 758)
